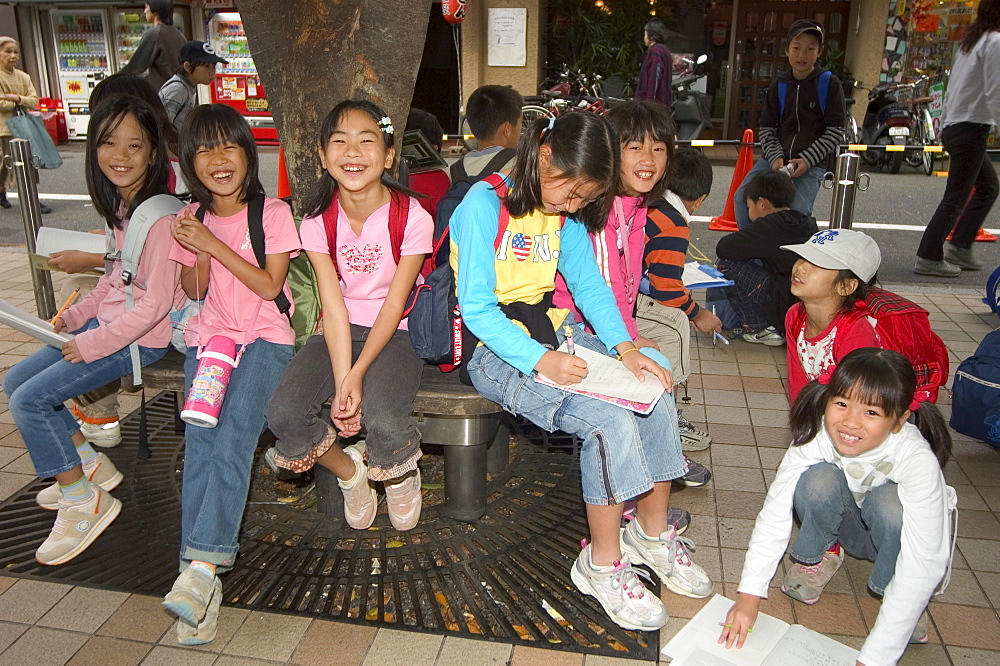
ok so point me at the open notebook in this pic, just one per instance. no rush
(50, 240)
(609, 380)
(771, 643)
(28, 323)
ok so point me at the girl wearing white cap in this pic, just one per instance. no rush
(835, 270)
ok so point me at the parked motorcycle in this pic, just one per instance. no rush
(890, 119)
(692, 111)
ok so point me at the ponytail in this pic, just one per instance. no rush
(931, 425)
(584, 146)
(807, 412)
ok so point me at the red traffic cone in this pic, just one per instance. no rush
(727, 221)
(982, 236)
(284, 188)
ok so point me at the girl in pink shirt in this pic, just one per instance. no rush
(366, 238)
(126, 164)
(217, 263)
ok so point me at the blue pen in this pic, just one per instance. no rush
(570, 347)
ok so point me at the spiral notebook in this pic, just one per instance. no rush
(610, 381)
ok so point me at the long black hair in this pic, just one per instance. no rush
(211, 125)
(104, 119)
(987, 18)
(880, 377)
(637, 120)
(133, 84)
(321, 195)
(584, 146)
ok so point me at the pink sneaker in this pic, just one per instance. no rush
(403, 499)
(360, 504)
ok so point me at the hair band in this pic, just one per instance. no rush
(824, 377)
(919, 397)
(552, 123)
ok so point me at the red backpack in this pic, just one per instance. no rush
(904, 326)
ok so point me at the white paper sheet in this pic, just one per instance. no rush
(610, 378)
(28, 323)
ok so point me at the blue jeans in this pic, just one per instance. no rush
(623, 452)
(218, 461)
(38, 386)
(829, 515)
(806, 188)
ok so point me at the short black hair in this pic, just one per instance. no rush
(689, 174)
(657, 31)
(164, 9)
(104, 119)
(427, 123)
(775, 186)
(211, 125)
(489, 107)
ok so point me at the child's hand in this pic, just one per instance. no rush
(192, 234)
(562, 368)
(800, 167)
(641, 342)
(345, 410)
(75, 261)
(707, 322)
(70, 351)
(777, 164)
(59, 325)
(739, 620)
(637, 362)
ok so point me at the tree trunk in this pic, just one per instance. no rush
(311, 54)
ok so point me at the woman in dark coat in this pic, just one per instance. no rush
(657, 67)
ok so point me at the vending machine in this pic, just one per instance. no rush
(82, 58)
(128, 26)
(238, 84)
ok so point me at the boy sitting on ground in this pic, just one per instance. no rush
(754, 261)
(665, 309)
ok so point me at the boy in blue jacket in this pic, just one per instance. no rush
(802, 122)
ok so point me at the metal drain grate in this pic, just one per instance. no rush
(504, 578)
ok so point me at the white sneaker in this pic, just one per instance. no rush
(668, 557)
(77, 526)
(692, 439)
(620, 592)
(360, 504)
(101, 471)
(404, 500)
(207, 629)
(105, 435)
(769, 336)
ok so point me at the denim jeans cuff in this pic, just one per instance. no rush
(45, 474)
(621, 496)
(222, 559)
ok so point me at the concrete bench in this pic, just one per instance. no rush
(472, 429)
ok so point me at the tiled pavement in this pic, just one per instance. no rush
(737, 390)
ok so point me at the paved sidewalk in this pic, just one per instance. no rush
(736, 389)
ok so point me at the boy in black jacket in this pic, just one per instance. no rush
(754, 260)
(802, 122)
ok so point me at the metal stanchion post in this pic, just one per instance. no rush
(845, 182)
(27, 195)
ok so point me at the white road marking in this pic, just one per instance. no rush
(857, 225)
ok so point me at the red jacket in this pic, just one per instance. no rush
(656, 75)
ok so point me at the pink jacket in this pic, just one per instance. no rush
(621, 267)
(155, 289)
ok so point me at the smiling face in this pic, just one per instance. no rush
(643, 164)
(857, 427)
(562, 195)
(124, 157)
(222, 169)
(356, 154)
(802, 54)
(9, 55)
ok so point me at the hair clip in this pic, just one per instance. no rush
(386, 124)
(552, 123)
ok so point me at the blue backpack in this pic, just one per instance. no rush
(975, 406)
(824, 91)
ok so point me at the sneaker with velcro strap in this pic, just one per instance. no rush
(667, 555)
(620, 592)
(101, 472)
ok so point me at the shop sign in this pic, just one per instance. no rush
(719, 33)
(936, 92)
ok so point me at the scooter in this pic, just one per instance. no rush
(888, 121)
(691, 107)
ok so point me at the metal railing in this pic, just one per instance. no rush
(26, 174)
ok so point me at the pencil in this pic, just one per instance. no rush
(65, 305)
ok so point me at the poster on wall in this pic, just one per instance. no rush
(507, 37)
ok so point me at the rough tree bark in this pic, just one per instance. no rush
(311, 54)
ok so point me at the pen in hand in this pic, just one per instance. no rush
(570, 346)
(65, 305)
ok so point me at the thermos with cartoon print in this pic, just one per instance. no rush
(216, 361)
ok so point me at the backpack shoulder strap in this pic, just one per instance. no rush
(399, 213)
(499, 185)
(255, 224)
(824, 89)
(457, 171)
(148, 213)
(330, 218)
(499, 160)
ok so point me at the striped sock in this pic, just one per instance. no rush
(86, 452)
(78, 491)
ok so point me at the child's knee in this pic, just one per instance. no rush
(882, 509)
(823, 482)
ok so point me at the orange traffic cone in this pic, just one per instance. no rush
(982, 236)
(284, 188)
(727, 221)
